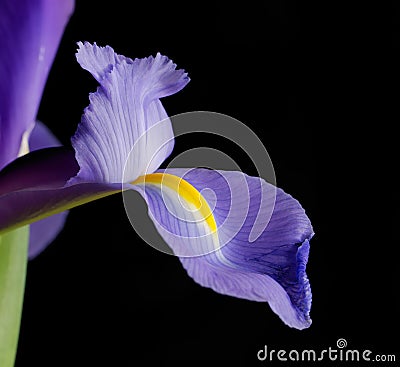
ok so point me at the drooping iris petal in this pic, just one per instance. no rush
(125, 117)
(122, 112)
(43, 232)
(30, 31)
(271, 268)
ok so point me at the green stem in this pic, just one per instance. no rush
(13, 260)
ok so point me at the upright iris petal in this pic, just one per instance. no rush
(125, 107)
(30, 31)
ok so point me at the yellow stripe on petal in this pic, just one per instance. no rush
(185, 190)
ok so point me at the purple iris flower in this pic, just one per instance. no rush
(123, 138)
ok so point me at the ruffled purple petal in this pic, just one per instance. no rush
(125, 118)
(263, 240)
(43, 232)
(30, 31)
(98, 61)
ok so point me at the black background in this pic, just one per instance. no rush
(319, 84)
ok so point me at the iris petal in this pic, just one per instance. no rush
(97, 60)
(30, 31)
(125, 114)
(271, 268)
